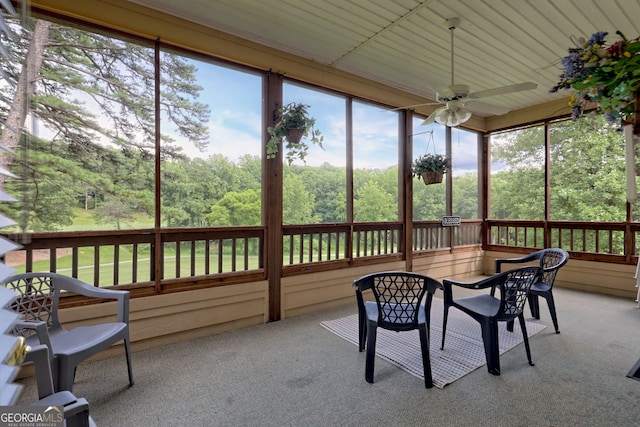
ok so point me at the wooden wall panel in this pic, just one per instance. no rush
(307, 293)
(588, 276)
(451, 265)
(164, 319)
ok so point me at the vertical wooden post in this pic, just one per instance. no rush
(349, 140)
(405, 195)
(547, 186)
(157, 267)
(272, 198)
(484, 185)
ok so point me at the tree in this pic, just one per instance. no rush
(325, 183)
(587, 173)
(372, 204)
(236, 209)
(298, 203)
(87, 91)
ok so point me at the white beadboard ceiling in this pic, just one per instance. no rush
(405, 44)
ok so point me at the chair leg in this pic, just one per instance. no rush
(491, 348)
(371, 351)
(444, 324)
(510, 326)
(426, 359)
(127, 350)
(66, 376)
(552, 310)
(362, 332)
(534, 305)
(362, 322)
(525, 337)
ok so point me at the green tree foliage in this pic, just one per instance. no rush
(298, 203)
(465, 196)
(428, 201)
(236, 209)
(326, 184)
(373, 203)
(88, 92)
(587, 173)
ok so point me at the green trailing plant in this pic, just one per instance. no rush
(292, 127)
(436, 163)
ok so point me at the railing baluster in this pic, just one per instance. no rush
(134, 263)
(246, 254)
(74, 262)
(220, 255)
(96, 263)
(177, 257)
(193, 257)
(234, 254)
(301, 255)
(207, 255)
(116, 263)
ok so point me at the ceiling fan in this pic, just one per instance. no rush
(455, 96)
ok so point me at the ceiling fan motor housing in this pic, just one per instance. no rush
(459, 91)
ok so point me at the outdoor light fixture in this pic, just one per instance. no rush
(452, 114)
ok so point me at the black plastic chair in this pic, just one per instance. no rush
(550, 260)
(488, 310)
(400, 305)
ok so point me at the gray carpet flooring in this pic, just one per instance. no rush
(296, 373)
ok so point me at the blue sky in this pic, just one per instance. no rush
(234, 98)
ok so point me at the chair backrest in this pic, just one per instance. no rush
(398, 295)
(37, 300)
(551, 260)
(514, 287)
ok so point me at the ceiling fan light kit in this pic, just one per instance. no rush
(452, 116)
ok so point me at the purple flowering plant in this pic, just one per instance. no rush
(605, 76)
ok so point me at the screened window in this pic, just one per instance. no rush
(517, 175)
(211, 126)
(429, 201)
(375, 163)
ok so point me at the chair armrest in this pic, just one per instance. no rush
(520, 260)
(433, 285)
(76, 409)
(448, 284)
(122, 298)
(482, 284)
(81, 288)
(77, 413)
(42, 331)
(39, 356)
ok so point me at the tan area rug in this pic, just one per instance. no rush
(463, 351)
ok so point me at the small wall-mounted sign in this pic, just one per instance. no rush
(450, 221)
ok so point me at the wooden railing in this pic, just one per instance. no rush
(431, 235)
(129, 257)
(193, 257)
(606, 241)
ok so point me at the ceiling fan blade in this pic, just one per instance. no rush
(503, 90)
(408, 107)
(432, 116)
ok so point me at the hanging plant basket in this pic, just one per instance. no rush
(431, 177)
(294, 135)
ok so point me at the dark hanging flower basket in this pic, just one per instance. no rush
(432, 177)
(292, 124)
(294, 135)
